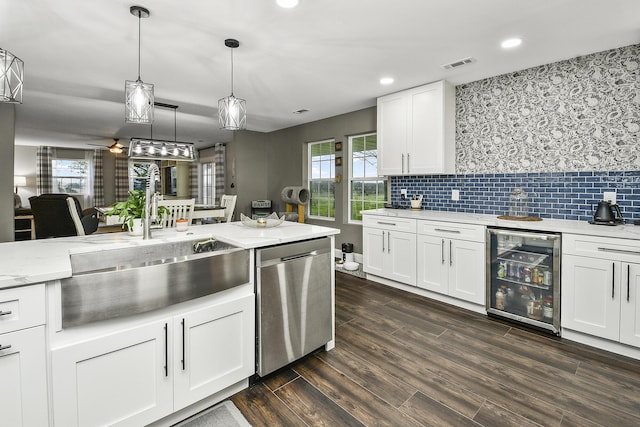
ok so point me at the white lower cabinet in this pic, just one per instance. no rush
(23, 388)
(141, 374)
(23, 363)
(390, 248)
(452, 266)
(601, 287)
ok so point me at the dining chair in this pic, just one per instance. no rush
(178, 208)
(229, 205)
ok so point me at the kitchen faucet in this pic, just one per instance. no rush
(150, 202)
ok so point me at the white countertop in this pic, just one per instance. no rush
(550, 225)
(37, 261)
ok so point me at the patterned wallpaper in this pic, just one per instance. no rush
(582, 114)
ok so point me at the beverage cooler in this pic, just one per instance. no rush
(523, 277)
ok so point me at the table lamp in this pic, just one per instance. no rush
(18, 181)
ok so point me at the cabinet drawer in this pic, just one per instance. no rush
(389, 223)
(21, 308)
(626, 250)
(453, 230)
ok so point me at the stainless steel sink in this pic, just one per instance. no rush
(123, 282)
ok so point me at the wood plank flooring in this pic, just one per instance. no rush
(404, 360)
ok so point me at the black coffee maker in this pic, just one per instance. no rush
(607, 214)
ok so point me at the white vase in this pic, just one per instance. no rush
(136, 230)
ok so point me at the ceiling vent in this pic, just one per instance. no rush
(458, 63)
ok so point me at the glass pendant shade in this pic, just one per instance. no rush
(11, 77)
(138, 106)
(232, 113)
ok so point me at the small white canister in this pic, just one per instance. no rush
(181, 224)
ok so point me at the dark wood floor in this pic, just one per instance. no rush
(404, 360)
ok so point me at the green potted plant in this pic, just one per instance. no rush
(131, 211)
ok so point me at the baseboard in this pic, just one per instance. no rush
(601, 343)
(429, 294)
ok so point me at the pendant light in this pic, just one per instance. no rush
(138, 95)
(11, 77)
(232, 111)
(158, 149)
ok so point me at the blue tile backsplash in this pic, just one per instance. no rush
(558, 195)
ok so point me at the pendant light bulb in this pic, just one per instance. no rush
(232, 111)
(138, 94)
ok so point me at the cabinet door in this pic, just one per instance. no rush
(400, 260)
(214, 349)
(372, 253)
(466, 270)
(630, 308)
(425, 148)
(433, 264)
(121, 378)
(392, 133)
(23, 393)
(591, 296)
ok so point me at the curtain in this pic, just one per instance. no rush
(193, 181)
(98, 178)
(219, 158)
(44, 156)
(121, 177)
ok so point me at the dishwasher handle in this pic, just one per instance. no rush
(296, 256)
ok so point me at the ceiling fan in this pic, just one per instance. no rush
(115, 148)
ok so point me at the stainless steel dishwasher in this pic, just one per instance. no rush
(293, 302)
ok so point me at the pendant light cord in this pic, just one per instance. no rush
(139, 19)
(231, 71)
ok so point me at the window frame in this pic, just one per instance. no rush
(87, 188)
(331, 179)
(351, 179)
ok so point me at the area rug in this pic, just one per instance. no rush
(224, 414)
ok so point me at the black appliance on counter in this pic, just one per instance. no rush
(523, 277)
(607, 214)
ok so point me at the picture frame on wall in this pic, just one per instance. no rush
(338, 146)
(338, 161)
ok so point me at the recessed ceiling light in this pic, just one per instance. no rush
(287, 4)
(511, 43)
(386, 80)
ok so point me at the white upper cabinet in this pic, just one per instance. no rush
(416, 131)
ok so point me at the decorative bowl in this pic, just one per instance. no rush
(269, 221)
(350, 265)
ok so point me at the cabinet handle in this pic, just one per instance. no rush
(5, 313)
(446, 231)
(387, 223)
(442, 251)
(628, 279)
(620, 251)
(183, 345)
(388, 242)
(402, 163)
(5, 347)
(408, 163)
(450, 257)
(613, 279)
(166, 350)
(383, 249)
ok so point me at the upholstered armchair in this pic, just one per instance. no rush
(60, 215)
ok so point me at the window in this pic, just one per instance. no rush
(208, 183)
(71, 176)
(322, 174)
(138, 172)
(366, 189)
